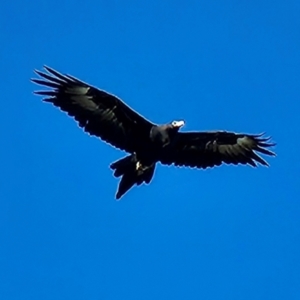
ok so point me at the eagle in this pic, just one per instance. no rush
(107, 117)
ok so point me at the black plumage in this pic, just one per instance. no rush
(106, 116)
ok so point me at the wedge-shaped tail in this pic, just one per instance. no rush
(131, 172)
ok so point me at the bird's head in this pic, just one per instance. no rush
(177, 124)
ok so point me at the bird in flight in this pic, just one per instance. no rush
(104, 115)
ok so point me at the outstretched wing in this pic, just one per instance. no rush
(209, 149)
(98, 112)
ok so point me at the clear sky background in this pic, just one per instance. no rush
(225, 233)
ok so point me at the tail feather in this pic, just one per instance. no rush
(132, 173)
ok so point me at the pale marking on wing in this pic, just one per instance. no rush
(85, 101)
(215, 146)
(246, 142)
(77, 90)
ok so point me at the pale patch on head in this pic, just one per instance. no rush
(177, 124)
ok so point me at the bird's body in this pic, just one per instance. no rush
(104, 115)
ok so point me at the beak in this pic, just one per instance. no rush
(179, 124)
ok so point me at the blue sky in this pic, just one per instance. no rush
(224, 233)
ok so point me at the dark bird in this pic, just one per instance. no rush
(106, 116)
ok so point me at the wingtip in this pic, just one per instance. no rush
(47, 68)
(34, 80)
(266, 164)
(118, 196)
(38, 72)
(264, 142)
(259, 134)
